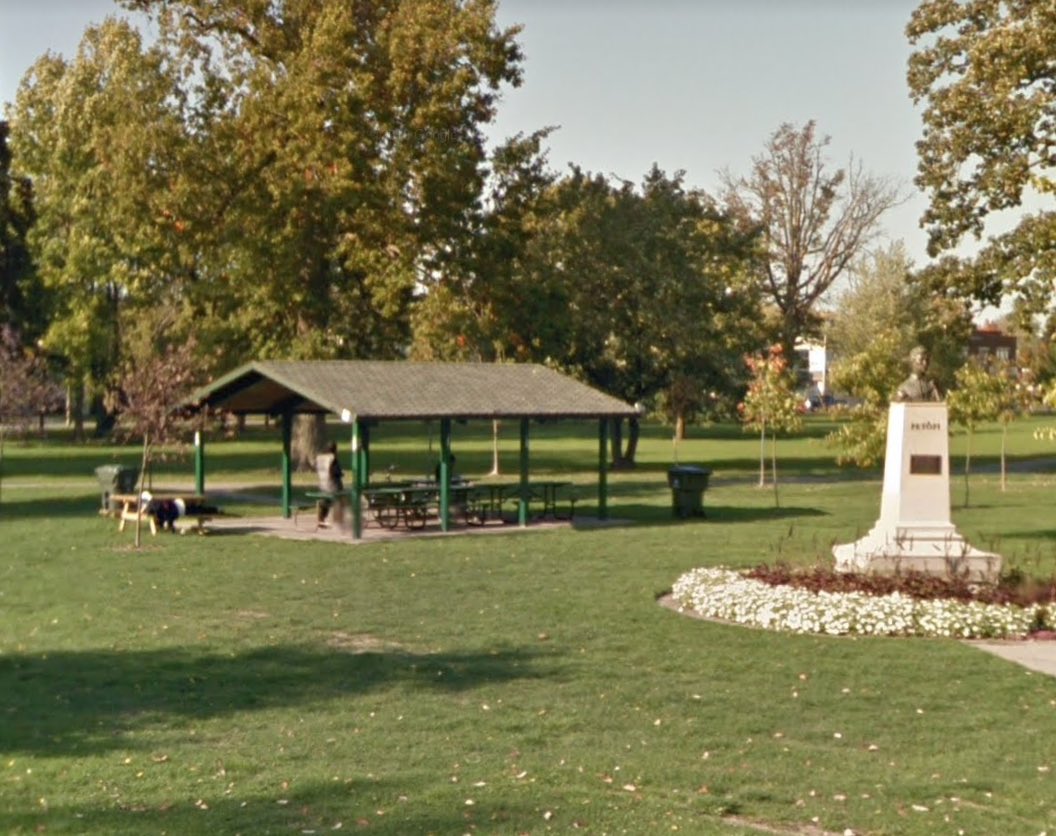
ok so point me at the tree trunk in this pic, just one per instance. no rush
(680, 427)
(78, 410)
(495, 426)
(307, 440)
(105, 419)
(773, 467)
(616, 441)
(139, 497)
(1004, 471)
(624, 459)
(632, 442)
(762, 456)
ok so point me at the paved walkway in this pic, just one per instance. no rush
(303, 527)
(1035, 654)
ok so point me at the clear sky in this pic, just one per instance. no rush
(697, 85)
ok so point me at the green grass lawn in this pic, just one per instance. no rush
(523, 683)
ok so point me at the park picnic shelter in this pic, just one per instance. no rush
(364, 393)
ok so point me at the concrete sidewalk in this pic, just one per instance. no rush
(1035, 654)
(303, 527)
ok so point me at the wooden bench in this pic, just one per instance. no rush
(333, 497)
(128, 508)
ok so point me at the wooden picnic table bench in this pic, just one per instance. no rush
(129, 507)
(337, 499)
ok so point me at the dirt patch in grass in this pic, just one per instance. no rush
(252, 615)
(788, 830)
(360, 643)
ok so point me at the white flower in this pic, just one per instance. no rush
(731, 596)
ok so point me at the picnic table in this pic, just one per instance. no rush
(492, 496)
(548, 492)
(129, 507)
(411, 504)
(333, 497)
(408, 503)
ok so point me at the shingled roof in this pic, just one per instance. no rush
(401, 390)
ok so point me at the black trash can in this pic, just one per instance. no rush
(688, 484)
(115, 478)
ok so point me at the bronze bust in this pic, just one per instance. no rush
(918, 386)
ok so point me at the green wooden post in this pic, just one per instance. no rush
(445, 474)
(603, 469)
(365, 455)
(287, 468)
(199, 463)
(522, 510)
(358, 476)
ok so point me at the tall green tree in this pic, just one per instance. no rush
(877, 297)
(95, 135)
(349, 138)
(290, 177)
(499, 302)
(982, 70)
(882, 313)
(642, 290)
(21, 300)
(815, 221)
(661, 294)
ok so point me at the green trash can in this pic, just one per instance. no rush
(115, 478)
(688, 484)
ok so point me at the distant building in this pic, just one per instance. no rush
(989, 342)
(812, 366)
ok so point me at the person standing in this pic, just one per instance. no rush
(331, 481)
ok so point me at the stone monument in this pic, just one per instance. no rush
(914, 531)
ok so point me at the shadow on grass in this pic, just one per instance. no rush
(87, 506)
(84, 702)
(304, 808)
(51, 507)
(713, 514)
(739, 513)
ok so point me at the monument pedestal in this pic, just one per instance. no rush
(914, 531)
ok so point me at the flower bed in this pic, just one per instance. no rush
(734, 596)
